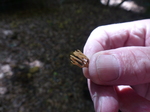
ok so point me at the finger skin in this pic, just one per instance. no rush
(104, 97)
(107, 37)
(131, 66)
(130, 101)
(130, 62)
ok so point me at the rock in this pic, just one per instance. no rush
(6, 69)
(3, 90)
(1, 75)
(35, 63)
(9, 34)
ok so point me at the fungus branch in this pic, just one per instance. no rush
(79, 59)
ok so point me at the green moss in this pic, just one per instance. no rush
(33, 70)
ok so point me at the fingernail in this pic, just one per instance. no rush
(107, 67)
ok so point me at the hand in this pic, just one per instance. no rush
(119, 55)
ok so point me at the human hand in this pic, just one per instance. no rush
(119, 55)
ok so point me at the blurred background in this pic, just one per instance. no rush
(36, 40)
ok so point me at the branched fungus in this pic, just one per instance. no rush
(79, 59)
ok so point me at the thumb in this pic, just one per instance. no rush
(128, 65)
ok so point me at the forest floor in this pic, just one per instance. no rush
(35, 70)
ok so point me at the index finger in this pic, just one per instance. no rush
(118, 35)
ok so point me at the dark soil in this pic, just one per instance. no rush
(36, 43)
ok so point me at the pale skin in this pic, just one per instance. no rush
(119, 54)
